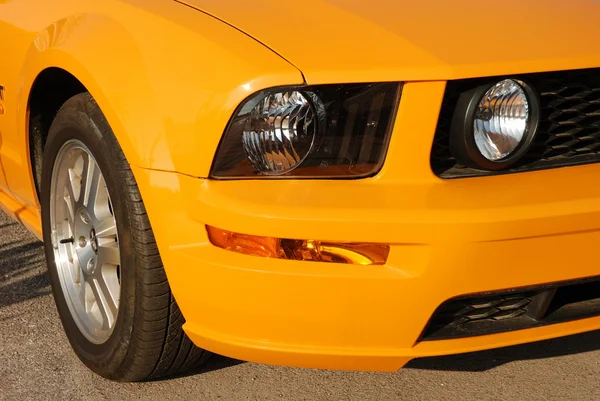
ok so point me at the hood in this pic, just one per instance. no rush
(381, 40)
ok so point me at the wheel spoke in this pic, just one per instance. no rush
(106, 306)
(109, 254)
(84, 296)
(69, 199)
(100, 209)
(73, 264)
(108, 282)
(106, 228)
(89, 182)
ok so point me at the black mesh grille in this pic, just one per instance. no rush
(514, 309)
(569, 130)
(493, 308)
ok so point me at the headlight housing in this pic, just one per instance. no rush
(323, 131)
(494, 125)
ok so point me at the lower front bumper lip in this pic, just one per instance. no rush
(381, 360)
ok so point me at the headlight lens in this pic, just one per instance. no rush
(311, 131)
(501, 120)
(280, 132)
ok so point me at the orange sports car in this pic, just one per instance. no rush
(327, 183)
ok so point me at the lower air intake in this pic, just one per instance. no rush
(514, 309)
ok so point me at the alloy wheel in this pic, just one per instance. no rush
(85, 241)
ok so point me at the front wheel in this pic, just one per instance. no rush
(107, 277)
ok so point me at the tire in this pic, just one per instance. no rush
(146, 339)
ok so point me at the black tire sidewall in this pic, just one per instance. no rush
(79, 119)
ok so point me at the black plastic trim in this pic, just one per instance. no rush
(568, 131)
(546, 304)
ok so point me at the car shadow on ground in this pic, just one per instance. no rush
(214, 363)
(22, 270)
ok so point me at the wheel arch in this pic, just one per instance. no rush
(57, 67)
(148, 74)
(50, 90)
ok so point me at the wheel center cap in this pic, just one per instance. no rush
(94, 241)
(86, 240)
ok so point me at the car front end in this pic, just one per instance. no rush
(329, 185)
(476, 258)
(424, 244)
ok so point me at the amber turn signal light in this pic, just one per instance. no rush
(306, 250)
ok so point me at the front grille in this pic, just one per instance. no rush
(514, 309)
(568, 133)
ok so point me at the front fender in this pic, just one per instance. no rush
(167, 82)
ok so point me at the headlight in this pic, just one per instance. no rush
(312, 131)
(494, 125)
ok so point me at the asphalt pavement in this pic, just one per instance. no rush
(36, 361)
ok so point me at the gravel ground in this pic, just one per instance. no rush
(36, 361)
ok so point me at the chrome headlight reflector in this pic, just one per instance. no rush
(493, 125)
(322, 131)
(501, 120)
(280, 131)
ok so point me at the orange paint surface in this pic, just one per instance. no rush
(168, 78)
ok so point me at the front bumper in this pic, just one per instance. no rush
(449, 238)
